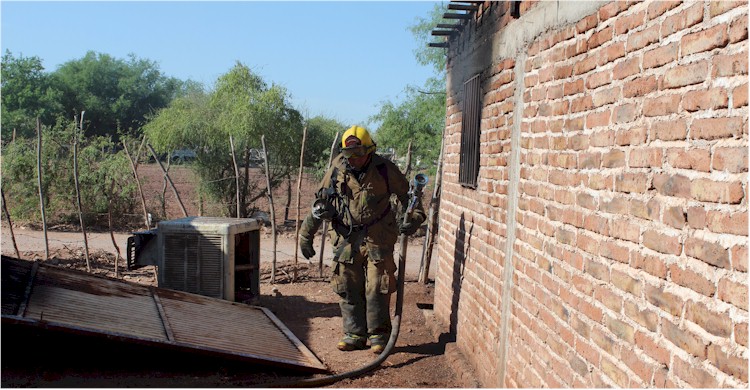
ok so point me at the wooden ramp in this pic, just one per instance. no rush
(58, 299)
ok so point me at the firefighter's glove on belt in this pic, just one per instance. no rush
(307, 249)
(408, 228)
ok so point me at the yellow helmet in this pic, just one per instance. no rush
(357, 139)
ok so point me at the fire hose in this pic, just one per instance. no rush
(415, 192)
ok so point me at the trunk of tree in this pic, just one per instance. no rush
(10, 224)
(134, 167)
(270, 202)
(325, 223)
(39, 179)
(174, 189)
(299, 189)
(78, 193)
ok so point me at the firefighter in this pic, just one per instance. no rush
(355, 196)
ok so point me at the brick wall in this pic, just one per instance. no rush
(614, 155)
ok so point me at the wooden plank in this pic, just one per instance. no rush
(27, 292)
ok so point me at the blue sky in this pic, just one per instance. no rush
(340, 59)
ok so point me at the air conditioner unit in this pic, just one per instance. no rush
(215, 257)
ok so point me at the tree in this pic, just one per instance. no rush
(420, 118)
(245, 107)
(114, 93)
(26, 94)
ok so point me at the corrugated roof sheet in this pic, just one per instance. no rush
(49, 297)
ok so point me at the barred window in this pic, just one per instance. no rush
(468, 170)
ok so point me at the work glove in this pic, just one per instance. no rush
(307, 249)
(409, 228)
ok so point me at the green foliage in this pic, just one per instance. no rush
(320, 133)
(420, 117)
(27, 93)
(243, 106)
(114, 93)
(97, 169)
(421, 31)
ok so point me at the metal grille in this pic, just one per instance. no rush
(194, 263)
(469, 159)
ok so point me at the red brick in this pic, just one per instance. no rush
(611, 52)
(595, 80)
(693, 280)
(625, 113)
(733, 292)
(606, 96)
(682, 20)
(652, 348)
(707, 190)
(697, 217)
(629, 22)
(711, 99)
(662, 243)
(735, 366)
(714, 128)
(657, 8)
(672, 130)
(739, 96)
(695, 159)
(724, 222)
(685, 339)
(660, 56)
(613, 159)
(626, 282)
(695, 375)
(589, 160)
(642, 315)
(684, 75)
(647, 210)
(738, 29)
(587, 23)
(730, 65)
(640, 86)
(654, 265)
(672, 185)
(626, 230)
(741, 333)
(719, 7)
(664, 300)
(632, 183)
(662, 105)
(674, 217)
(631, 136)
(643, 38)
(707, 251)
(597, 119)
(645, 158)
(714, 322)
(586, 65)
(739, 258)
(573, 87)
(627, 68)
(600, 37)
(704, 40)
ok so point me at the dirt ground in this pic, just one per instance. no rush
(424, 356)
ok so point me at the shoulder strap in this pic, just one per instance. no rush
(383, 170)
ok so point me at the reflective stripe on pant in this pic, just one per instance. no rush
(365, 289)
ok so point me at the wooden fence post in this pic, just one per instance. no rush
(39, 179)
(299, 189)
(273, 212)
(236, 174)
(134, 167)
(10, 224)
(325, 223)
(429, 238)
(111, 232)
(174, 189)
(78, 190)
